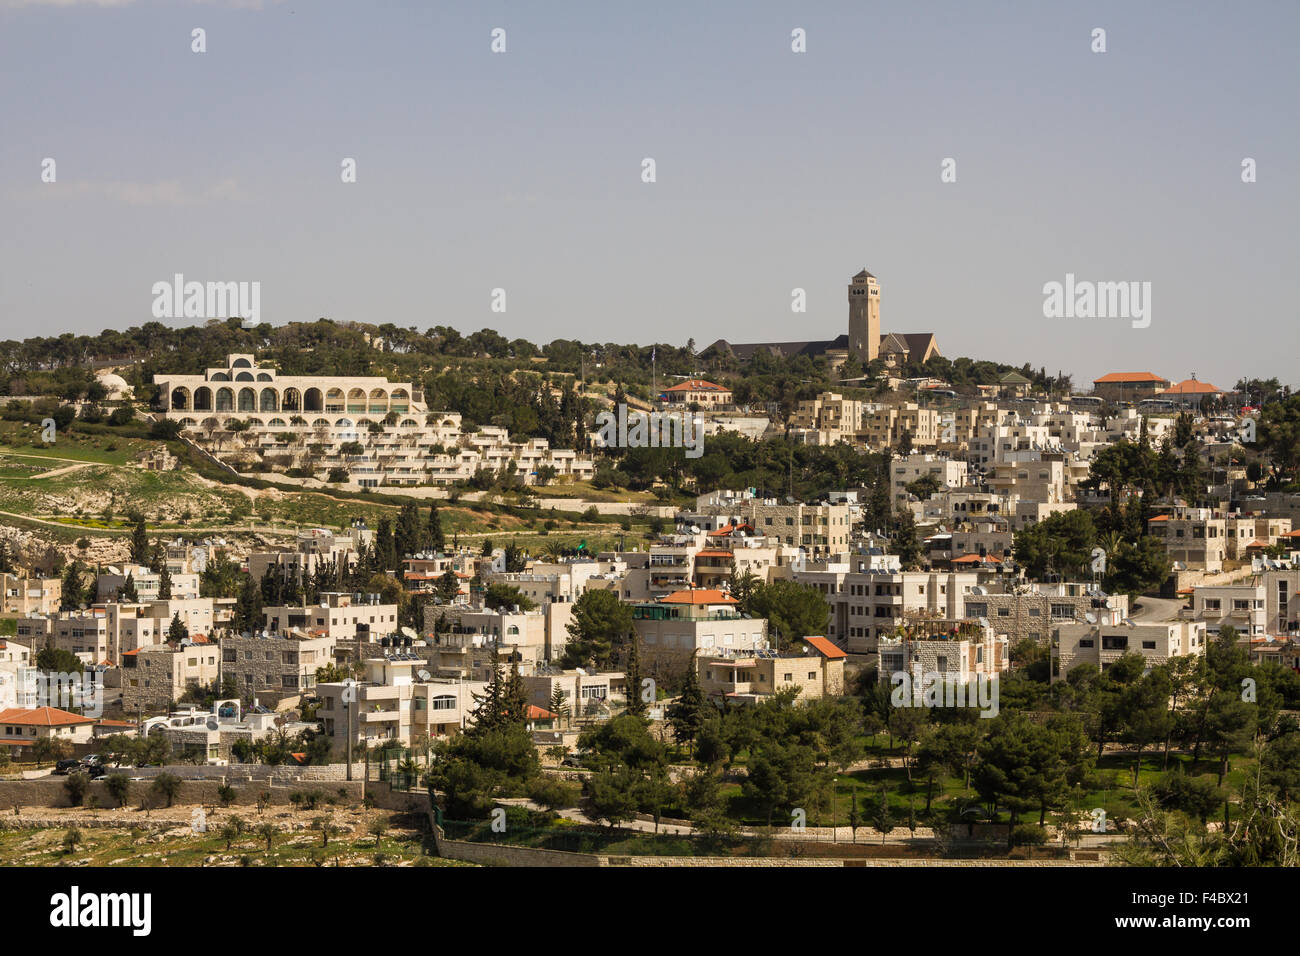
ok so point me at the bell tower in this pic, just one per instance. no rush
(864, 316)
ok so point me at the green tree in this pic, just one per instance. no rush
(139, 541)
(599, 625)
(166, 786)
(686, 714)
(793, 610)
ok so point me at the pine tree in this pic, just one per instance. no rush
(6, 567)
(177, 632)
(632, 678)
(559, 704)
(514, 700)
(448, 585)
(164, 582)
(686, 716)
(127, 592)
(488, 705)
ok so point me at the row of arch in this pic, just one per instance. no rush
(355, 402)
(215, 424)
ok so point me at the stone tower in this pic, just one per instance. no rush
(864, 317)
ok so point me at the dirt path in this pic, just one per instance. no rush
(54, 473)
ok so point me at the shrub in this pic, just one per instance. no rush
(75, 786)
(1028, 834)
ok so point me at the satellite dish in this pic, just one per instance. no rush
(409, 632)
(423, 674)
(1090, 617)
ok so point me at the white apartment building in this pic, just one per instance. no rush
(378, 432)
(949, 472)
(1242, 606)
(1105, 642)
(25, 595)
(397, 700)
(338, 615)
(866, 606)
(1195, 538)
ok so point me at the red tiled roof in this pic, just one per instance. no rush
(728, 529)
(699, 596)
(1122, 378)
(1191, 386)
(41, 717)
(713, 553)
(539, 713)
(825, 648)
(1158, 518)
(697, 385)
(975, 559)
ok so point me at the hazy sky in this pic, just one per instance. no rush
(775, 170)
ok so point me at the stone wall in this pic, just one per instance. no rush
(49, 791)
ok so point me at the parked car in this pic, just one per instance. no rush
(67, 766)
(575, 758)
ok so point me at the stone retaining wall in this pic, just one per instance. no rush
(50, 792)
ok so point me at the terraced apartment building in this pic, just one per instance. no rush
(378, 432)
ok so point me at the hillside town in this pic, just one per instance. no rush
(987, 551)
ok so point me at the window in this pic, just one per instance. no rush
(1114, 642)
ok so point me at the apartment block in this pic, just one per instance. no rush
(397, 700)
(949, 472)
(337, 615)
(1032, 612)
(865, 606)
(155, 678)
(695, 620)
(821, 529)
(273, 667)
(885, 426)
(1195, 538)
(30, 595)
(1102, 644)
(749, 676)
(1241, 606)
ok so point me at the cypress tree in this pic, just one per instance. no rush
(433, 538)
(139, 542)
(635, 704)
